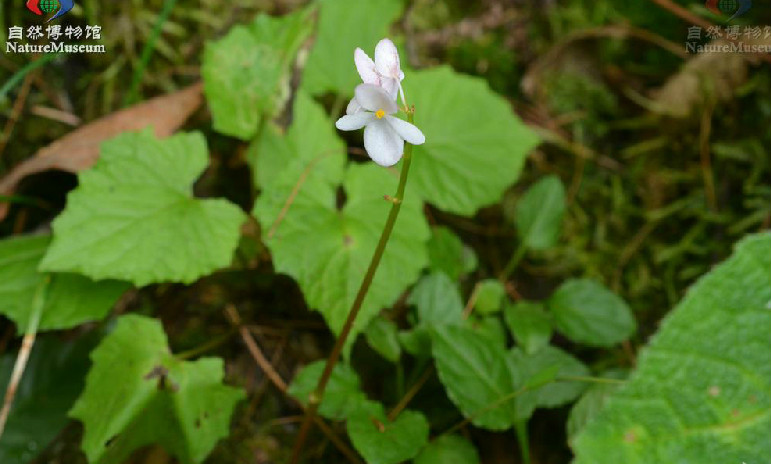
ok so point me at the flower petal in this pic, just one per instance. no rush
(374, 98)
(353, 107)
(407, 131)
(366, 67)
(356, 121)
(382, 143)
(391, 86)
(387, 59)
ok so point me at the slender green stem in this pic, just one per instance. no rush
(513, 262)
(147, 51)
(29, 67)
(318, 393)
(38, 302)
(524, 440)
(209, 345)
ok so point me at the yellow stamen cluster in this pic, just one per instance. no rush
(380, 114)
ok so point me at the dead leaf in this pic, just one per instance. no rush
(79, 149)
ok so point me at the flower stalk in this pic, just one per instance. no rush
(315, 398)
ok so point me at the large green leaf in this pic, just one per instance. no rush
(539, 213)
(448, 449)
(342, 396)
(247, 75)
(381, 441)
(476, 375)
(343, 26)
(588, 313)
(475, 145)
(702, 388)
(133, 216)
(52, 381)
(592, 401)
(70, 299)
(326, 249)
(138, 393)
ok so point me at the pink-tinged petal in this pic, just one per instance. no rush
(382, 143)
(366, 67)
(387, 59)
(353, 107)
(356, 121)
(406, 130)
(374, 98)
(391, 86)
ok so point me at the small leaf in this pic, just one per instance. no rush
(701, 391)
(448, 449)
(70, 300)
(417, 341)
(343, 26)
(381, 441)
(51, 383)
(437, 300)
(133, 216)
(467, 161)
(448, 254)
(138, 393)
(382, 336)
(490, 295)
(529, 324)
(534, 369)
(342, 396)
(539, 213)
(475, 374)
(588, 313)
(591, 403)
(246, 73)
(488, 326)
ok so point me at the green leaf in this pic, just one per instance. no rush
(328, 250)
(547, 362)
(448, 254)
(468, 161)
(300, 169)
(247, 73)
(343, 26)
(417, 341)
(52, 381)
(381, 441)
(437, 300)
(475, 373)
(592, 402)
(448, 449)
(588, 313)
(529, 324)
(490, 295)
(70, 299)
(343, 394)
(133, 216)
(702, 388)
(382, 336)
(138, 393)
(539, 213)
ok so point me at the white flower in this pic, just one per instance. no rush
(384, 134)
(385, 71)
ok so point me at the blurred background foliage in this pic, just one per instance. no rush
(664, 171)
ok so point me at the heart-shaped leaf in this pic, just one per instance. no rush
(381, 441)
